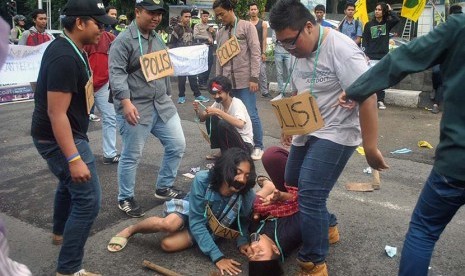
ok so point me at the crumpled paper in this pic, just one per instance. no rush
(368, 170)
(424, 144)
(390, 250)
(360, 150)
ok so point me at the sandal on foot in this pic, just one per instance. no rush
(57, 239)
(260, 179)
(119, 241)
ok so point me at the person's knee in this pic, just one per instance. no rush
(168, 245)
(272, 154)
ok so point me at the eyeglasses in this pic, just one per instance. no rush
(237, 185)
(290, 45)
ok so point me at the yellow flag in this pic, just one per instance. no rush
(412, 9)
(361, 11)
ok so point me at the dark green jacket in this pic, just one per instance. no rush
(444, 45)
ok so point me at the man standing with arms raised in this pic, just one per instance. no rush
(143, 107)
(262, 31)
(59, 126)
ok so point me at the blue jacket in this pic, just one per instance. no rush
(198, 222)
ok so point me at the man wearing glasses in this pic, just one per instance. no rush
(327, 62)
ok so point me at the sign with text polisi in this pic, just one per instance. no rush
(298, 115)
(156, 65)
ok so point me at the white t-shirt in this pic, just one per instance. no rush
(238, 110)
(340, 63)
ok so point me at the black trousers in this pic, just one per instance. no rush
(193, 84)
(203, 77)
(223, 135)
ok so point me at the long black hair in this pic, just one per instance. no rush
(384, 9)
(225, 169)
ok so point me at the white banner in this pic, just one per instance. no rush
(22, 64)
(191, 60)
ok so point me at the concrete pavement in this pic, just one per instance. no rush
(367, 221)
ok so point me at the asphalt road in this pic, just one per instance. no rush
(367, 221)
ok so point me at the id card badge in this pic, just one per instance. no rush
(90, 94)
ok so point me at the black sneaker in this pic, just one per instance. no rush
(111, 160)
(131, 208)
(267, 95)
(169, 193)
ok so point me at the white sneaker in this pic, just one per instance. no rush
(81, 272)
(381, 105)
(257, 154)
(94, 118)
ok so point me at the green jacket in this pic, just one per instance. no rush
(444, 45)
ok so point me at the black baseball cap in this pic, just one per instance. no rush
(92, 8)
(151, 5)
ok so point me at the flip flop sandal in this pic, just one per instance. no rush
(57, 239)
(120, 241)
(260, 179)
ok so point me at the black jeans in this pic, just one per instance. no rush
(192, 83)
(223, 135)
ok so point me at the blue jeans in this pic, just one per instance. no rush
(315, 168)
(108, 121)
(283, 68)
(76, 204)
(172, 138)
(439, 200)
(250, 101)
(262, 79)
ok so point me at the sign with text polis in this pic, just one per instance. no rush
(298, 115)
(228, 50)
(156, 65)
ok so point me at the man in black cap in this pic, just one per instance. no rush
(143, 107)
(59, 129)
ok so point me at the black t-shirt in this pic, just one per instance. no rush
(61, 70)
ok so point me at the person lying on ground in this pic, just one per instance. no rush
(219, 200)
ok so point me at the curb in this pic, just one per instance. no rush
(396, 97)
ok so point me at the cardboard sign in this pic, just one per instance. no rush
(298, 114)
(228, 50)
(90, 94)
(219, 229)
(156, 65)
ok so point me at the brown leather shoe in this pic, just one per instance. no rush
(333, 234)
(310, 269)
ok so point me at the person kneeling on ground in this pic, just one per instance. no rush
(227, 120)
(219, 199)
